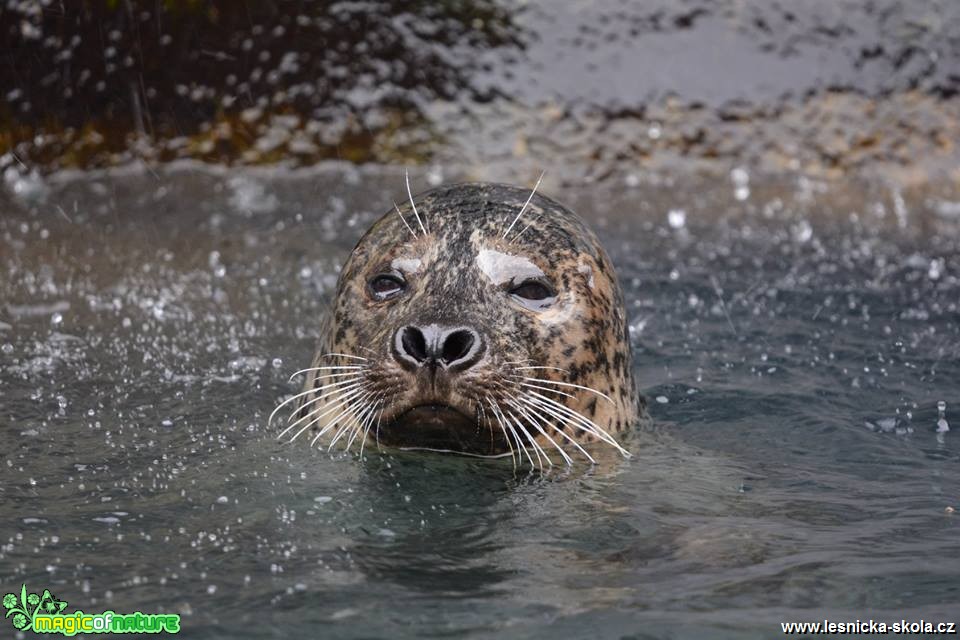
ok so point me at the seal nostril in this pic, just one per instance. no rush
(434, 346)
(457, 346)
(414, 344)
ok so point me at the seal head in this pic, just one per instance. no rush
(480, 319)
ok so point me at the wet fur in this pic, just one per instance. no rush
(585, 333)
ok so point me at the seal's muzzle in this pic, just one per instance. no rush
(440, 427)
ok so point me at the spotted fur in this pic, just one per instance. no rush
(575, 352)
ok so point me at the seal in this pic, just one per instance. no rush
(480, 319)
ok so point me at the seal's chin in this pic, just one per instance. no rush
(438, 427)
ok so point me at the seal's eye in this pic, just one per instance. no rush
(532, 290)
(386, 285)
(533, 294)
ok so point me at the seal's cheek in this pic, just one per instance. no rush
(564, 312)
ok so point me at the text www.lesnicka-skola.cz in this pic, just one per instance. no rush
(869, 626)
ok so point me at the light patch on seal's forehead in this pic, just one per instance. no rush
(406, 265)
(502, 268)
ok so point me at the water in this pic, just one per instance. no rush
(799, 344)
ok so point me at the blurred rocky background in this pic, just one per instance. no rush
(592, 89)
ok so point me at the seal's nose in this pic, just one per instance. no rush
(454, 349)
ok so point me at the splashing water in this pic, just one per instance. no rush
(138, 471)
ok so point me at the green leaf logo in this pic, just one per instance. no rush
(24, 608)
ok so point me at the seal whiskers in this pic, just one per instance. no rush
(365, 425)
(571, 441)
(303, 394)
(551, 390)
(518, 411)
(482, 418)
(412, 204)
(353, 367)
(566, 384)
(561, 383)
(343, 355)
(365, 406)
(319, 413)
(524, 207)
(537, 449)
(331, 388)
(338, 392)
(535, 423)
(347, 411)
(576, 419)
(509, 426)
(366, 431)
(409, 228)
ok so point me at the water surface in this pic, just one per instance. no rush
(794, 340)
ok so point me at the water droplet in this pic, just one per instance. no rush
(936, 269)
(435, 176)
(802, 232)
(739, 176)
(56, 318)
(28, 186)
(677, 218)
